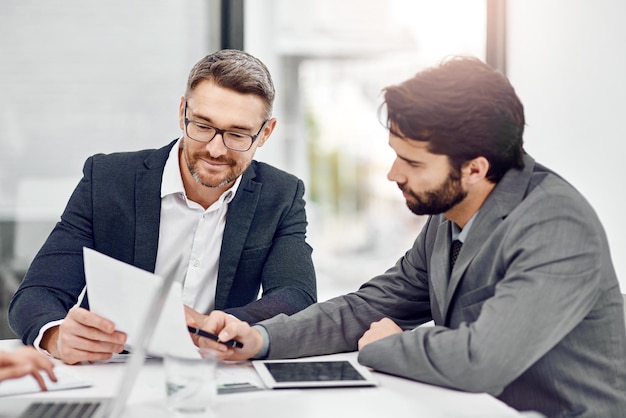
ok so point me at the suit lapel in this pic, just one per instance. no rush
(480, 232)
(504, 198)
(239, 217)
(440, 269)
(148, 208)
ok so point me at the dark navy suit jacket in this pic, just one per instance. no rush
(115, 209)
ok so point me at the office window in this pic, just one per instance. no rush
(331, 58)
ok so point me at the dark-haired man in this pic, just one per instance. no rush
(528, 308)
(199, 208)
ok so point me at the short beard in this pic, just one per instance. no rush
(213, 186)
(196, 176)
(440, 200)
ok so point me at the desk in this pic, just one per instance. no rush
(393, 397)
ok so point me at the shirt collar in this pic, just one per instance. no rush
(461, 234)
(172, 182)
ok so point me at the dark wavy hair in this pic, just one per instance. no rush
(235, 70)
(464, 109)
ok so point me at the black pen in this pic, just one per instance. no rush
(202, 333)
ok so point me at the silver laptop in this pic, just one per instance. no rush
(50, 407)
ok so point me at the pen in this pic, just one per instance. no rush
(202, 333)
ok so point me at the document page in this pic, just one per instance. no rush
(122, 293)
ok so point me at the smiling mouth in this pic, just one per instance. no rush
(213, 162)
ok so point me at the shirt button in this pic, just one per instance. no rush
(196, 263)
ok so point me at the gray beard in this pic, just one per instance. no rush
(199, 180)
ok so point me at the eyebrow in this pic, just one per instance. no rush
(405, 159)
(409, 160)
(208, 121)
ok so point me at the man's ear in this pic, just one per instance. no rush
(267, 131)
(475, 170)
(181, 114)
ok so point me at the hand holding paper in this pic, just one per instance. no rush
(117, 291)
(83, 336)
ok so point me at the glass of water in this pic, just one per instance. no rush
(191, 383)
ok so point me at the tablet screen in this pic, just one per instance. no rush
(313, 373)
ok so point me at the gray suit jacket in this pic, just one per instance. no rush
(116, 210)
(531, 313)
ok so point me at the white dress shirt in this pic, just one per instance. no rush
(190, 238)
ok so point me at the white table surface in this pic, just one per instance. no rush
(392, 397)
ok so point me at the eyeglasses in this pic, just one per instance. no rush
(235, 141)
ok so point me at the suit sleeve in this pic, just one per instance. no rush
(56, 276)
(288, 276)
(336, 325)
(552, 265)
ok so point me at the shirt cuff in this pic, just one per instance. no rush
(37, 342)
(265, 347)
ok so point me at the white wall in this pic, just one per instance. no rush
(566, 60)
(81, 77)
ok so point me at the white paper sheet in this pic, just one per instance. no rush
(28, 384)
(122, 293)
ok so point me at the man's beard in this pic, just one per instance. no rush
(436, 201)
(214, 181)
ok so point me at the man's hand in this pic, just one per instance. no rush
(83, 336)
(227, 328)
(23, 361)
(378, 330)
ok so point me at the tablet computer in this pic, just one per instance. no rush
(313, 373)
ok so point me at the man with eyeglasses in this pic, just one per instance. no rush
(199, 208)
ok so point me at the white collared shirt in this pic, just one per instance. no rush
(461, 234)
(190, 238)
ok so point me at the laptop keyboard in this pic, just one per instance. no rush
(61, 410)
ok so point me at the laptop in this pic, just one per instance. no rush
(95, 407)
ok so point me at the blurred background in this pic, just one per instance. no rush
(79, 77)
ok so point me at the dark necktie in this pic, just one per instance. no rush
(454, 252)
